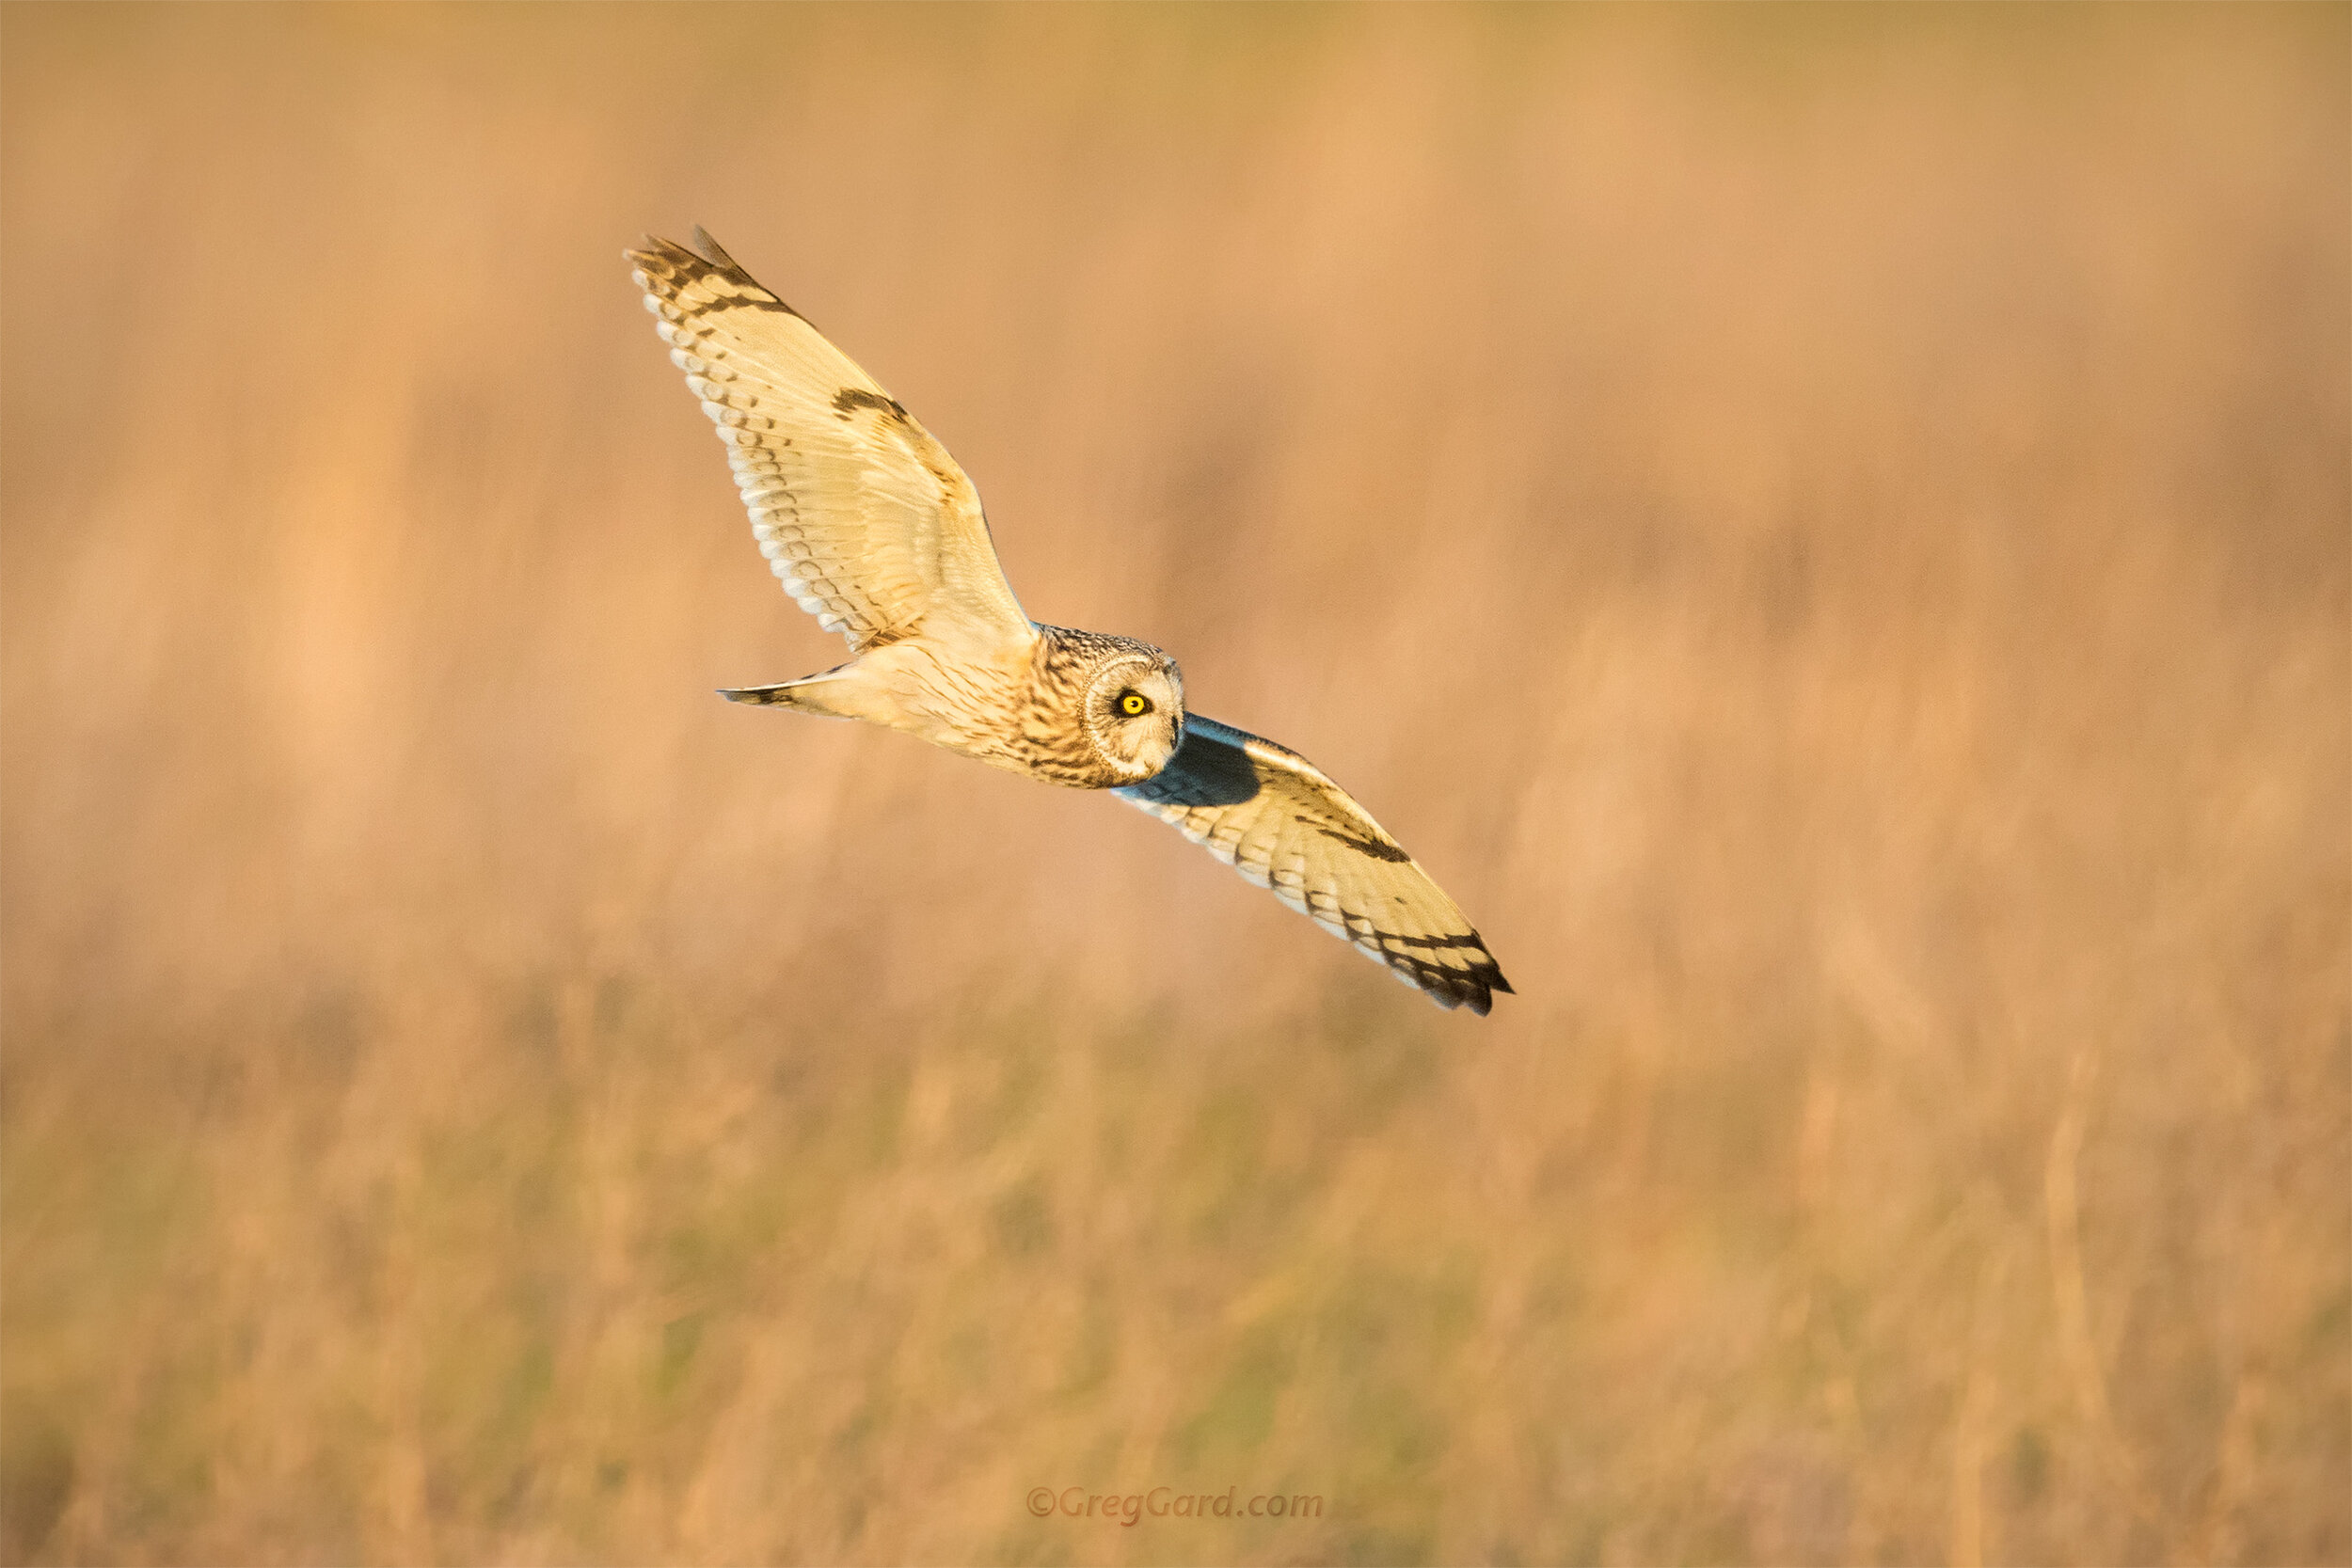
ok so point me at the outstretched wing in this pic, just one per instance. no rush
(867, 520)
(1279, 820)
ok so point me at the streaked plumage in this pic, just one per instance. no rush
(875, 532)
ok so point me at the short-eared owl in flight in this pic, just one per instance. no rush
(878, 533)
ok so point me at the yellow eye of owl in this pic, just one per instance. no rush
(1133, 703)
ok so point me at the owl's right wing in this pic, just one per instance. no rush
(1279, 820)
(866, 519)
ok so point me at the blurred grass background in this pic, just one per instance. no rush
(1825, 529)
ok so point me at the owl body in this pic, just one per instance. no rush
(1076, 708)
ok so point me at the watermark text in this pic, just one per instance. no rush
(1129, 1509)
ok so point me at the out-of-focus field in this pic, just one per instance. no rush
(1827, 531)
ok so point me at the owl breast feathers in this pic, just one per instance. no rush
(874, 529)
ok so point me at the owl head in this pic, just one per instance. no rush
(1135, 712)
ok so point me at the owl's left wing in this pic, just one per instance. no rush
(864, 516)
(1279, 820)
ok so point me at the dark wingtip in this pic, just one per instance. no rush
(1476, 990)
(712, 252)
(709, 252)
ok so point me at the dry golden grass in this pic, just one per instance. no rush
(1827, 529)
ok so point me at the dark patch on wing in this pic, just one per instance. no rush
(1470, 939)
(1203, 772)
(759, 302)
(1372, 847)
(858, 397)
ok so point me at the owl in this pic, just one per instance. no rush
(877, 532)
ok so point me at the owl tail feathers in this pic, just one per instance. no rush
(829, 693)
